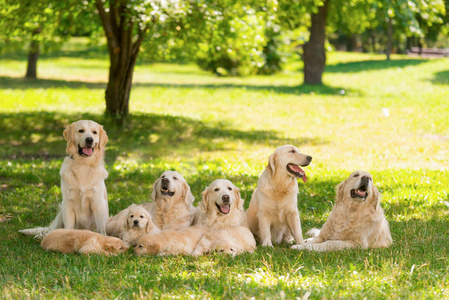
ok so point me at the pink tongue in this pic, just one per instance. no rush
(300, 171)
(304, 178)
(88, 151)
(225, 208)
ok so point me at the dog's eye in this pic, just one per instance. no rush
(175, 178)
(230, 188)
(163, 176)
(356, 175)
(292, 151)
(94, 132)
(141, 216)
(132, 216)
(121, 248)
(216, 189)
(140, 246)
(81, 130)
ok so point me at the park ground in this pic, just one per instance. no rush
(388, 118)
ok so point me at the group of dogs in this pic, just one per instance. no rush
(172, 225)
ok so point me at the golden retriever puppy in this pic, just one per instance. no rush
(130, 224)
(82, 241)
(84, 198)
(356, 220)
(170, 242)
(234, 241)
(273, 210)
(221, 206)
(173, 202)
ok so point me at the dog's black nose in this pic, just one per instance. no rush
(136, 221)
(365, 178)
(89, 141)
(309, 158)
(225, 198)
(165, 181)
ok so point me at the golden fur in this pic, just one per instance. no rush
(233, 241)
(357, 219)
(273, 210)
(130, 224)
(170, 242)
(173, 202)
(84, 197)
(82, 241)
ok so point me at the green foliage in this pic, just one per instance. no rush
(209, 127)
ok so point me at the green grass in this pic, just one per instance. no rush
(208, 128)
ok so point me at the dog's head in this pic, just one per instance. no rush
(147, 244)
(221, 196)
(171, 184)
(286, 160)
(359, 187)
(115, 245)
(139, 218)
(85, 138)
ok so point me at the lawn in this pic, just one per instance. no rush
(388, 118)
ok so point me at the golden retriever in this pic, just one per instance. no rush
(221, 211)
(273, 209)
(356, 220)
(221, 206)
(82, 241)
(173, 202)
(130, 224)
(170, 242)
(84, 197)
(234, 241)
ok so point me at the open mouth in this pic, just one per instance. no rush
(166, 192)
(361, 192)
(297, 171)
(86, 151)
(224, 208)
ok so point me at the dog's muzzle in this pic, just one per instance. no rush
(224, 208)
(362, 190)
(165, 188)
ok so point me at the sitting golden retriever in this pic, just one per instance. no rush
(170, 242)
(173, 202)
(357, 219)
(84, 198)
(82, 241)
(221, 211)
(130, 224)
(234, 241)
(273, 209)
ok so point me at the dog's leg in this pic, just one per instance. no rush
(294, 225)
(326, 246)
(265, 230)
(68, 217)
(100, 212)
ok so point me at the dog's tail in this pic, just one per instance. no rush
(40, 232)
(314, 232)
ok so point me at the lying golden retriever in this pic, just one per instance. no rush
(82, 241)
(273, 209)
(234, 241)
(173, 202)
(170, 242)
(84, 198)
(357, 219)
(221, 211)
(130, 224)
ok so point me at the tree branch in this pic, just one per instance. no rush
(107, 26)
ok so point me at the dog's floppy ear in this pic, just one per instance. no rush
(69, 135)
(340, 192)
(204, 204)
(150, 225)
(272, 164)
(376, 198)
(187, 194)
(103, 138)
(154, 192)
(239, 200)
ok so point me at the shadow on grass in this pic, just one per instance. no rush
(441, 77)
(39, 135)
(372, 65)
(24, 84)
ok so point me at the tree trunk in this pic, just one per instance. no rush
(123, 52)
(314, 56)
(390, 38)
(33, 55)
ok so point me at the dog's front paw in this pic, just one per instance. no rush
(299, 247)
(267, 244)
